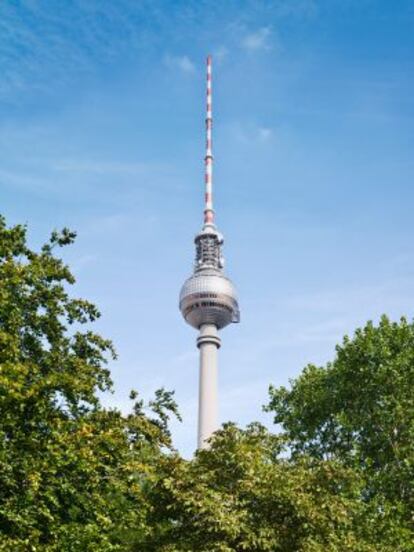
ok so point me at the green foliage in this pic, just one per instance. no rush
(240, 495)
(359, 410)
(72, 474)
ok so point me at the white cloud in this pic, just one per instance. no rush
(265, 134)
(258, 40)
(51, 55)
(220, 54)
(182, 63)
(251, 134)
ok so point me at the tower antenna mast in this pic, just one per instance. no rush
(208, 160)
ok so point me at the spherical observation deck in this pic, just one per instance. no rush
(208, 297)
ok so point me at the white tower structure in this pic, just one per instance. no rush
(208, 300)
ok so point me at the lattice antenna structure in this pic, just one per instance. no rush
(208, 159)
(208, 299)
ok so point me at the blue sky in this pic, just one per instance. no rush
(102, 130)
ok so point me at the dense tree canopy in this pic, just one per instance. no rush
(72, 473)
(336, 476)
(241, 495)
(359, 410)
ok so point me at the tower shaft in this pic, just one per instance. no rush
(208, 342)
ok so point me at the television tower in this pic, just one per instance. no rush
(208, 300)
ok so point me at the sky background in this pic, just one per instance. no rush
(102, 130)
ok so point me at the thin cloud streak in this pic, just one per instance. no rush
(249, 133)
(180, 63)
(259, 40)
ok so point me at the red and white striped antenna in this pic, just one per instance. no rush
(208, 208)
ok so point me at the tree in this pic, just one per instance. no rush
(73, 475)
(242, 495)
(359, 411)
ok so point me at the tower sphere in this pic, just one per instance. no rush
(209, 297)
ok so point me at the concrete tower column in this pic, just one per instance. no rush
(208, 342)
